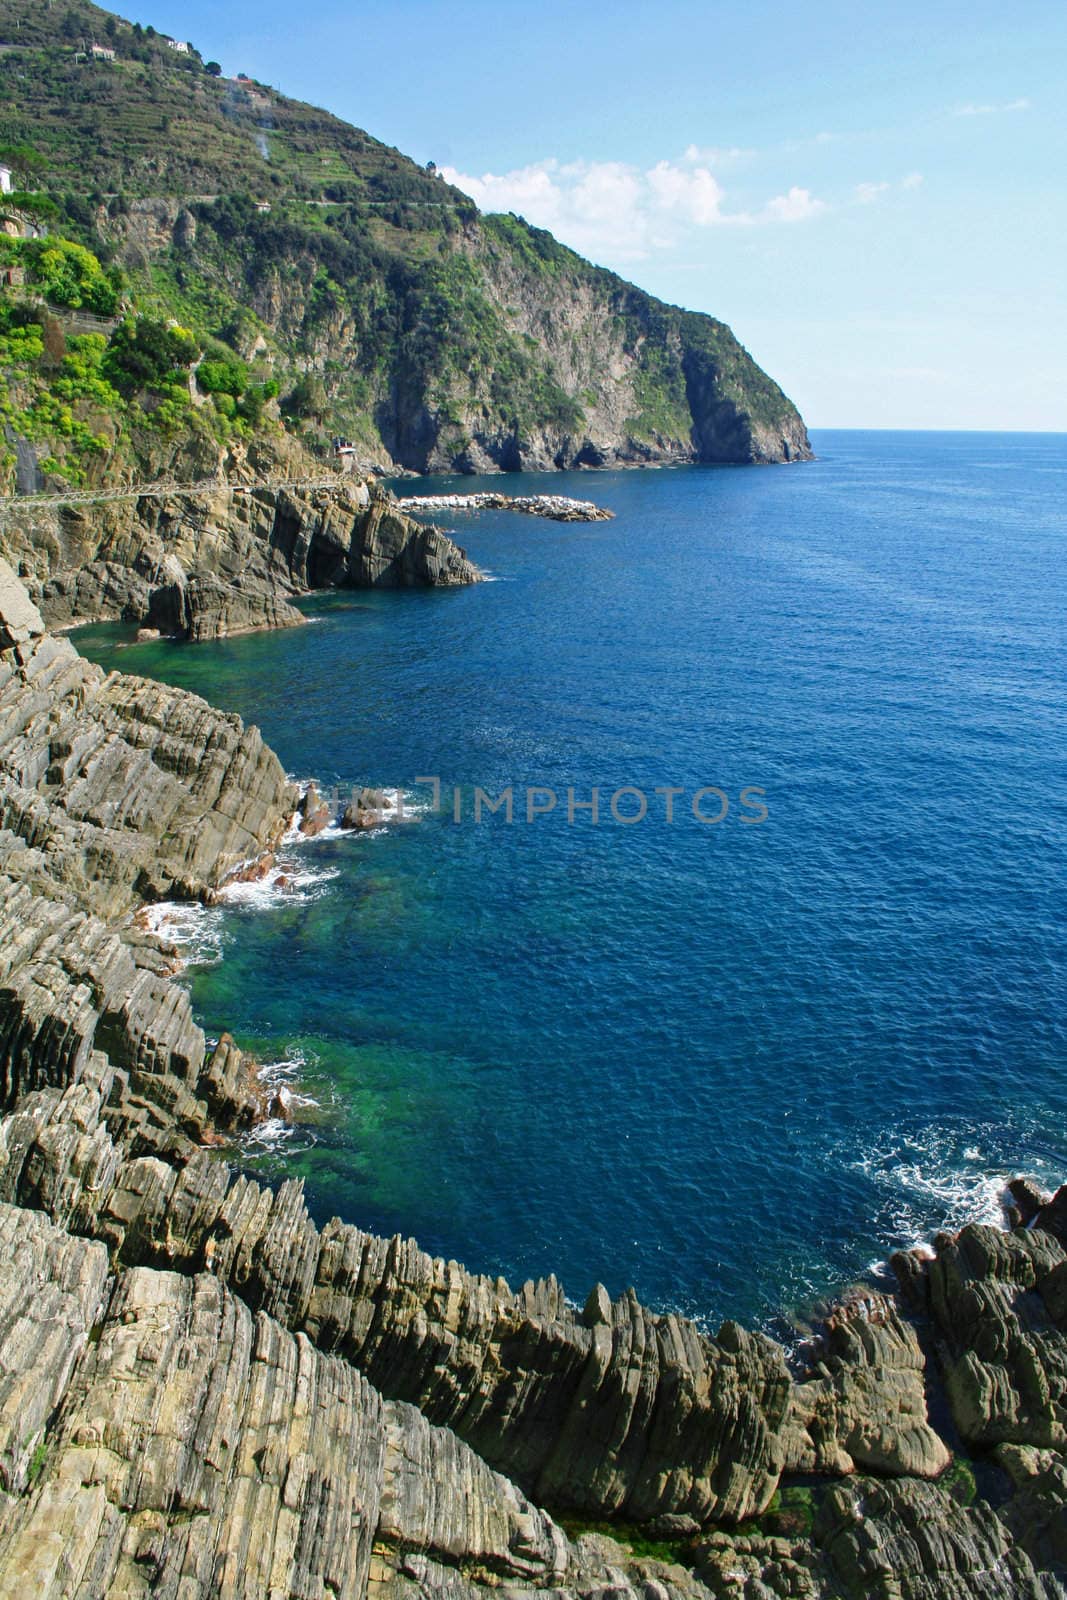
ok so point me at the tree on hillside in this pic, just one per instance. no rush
(24, 161)
(144, 353)
(213, 68)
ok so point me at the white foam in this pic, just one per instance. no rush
(282, 1134)
(286, 881)
(931, 1186)
(275, 1137)
(281, 1078)
(194, 929)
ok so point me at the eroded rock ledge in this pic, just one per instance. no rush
(204, 1393)
(213, 564)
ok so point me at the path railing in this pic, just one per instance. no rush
(160, 491)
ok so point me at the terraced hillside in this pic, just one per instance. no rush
(370, 297)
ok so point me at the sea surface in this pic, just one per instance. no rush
(733, 1064)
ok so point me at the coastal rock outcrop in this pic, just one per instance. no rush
(999, 1304)
(224, 560)
(113, 791)
(160, 1434)
(125, 789)
(193, 1447)
(612, 1412)
(204, 1392)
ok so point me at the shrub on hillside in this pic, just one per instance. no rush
(70, 275)
(145, 354)
(223, 377)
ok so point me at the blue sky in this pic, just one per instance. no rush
(874, 196)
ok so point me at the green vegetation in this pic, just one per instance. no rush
(88, 399)
(144, 353)
(790, 1514)
(223, 377)
(633, 1538)
(273, 250)
(959, 1481)
(37, 1461)
(70, 275)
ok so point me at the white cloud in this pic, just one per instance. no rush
(695, 196)
(867, 193)
(796, 206)
(713, 155)
(613, 208)
(973, 110)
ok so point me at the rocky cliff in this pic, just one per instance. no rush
(203, 1393)
(225, 560)
(331, 286)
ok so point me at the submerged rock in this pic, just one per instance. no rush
(368, 808)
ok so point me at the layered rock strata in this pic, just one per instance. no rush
(203, 1392)
(113, 791)
(613, 1411)
(160, 1435)
(223, 561)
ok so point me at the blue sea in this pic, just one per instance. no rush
(732, 1063)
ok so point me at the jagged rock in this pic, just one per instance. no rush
(315, 814)
(225, 560)
(128, 789)
(195, 1448)
(1051, 1215)
(20, 619)
(1029, 1198)
(51, 1290)
(912, 1541)
(999, 1303)
(197, 608)
(366, 809)
(865, 1405)
(113, 790)
(612, 1412)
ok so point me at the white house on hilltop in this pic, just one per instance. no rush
(179, 45)
(101, 52)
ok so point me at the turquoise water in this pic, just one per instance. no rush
(729, 1064)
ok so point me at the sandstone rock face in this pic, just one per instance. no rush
(203, 1393)
(999, 1303)
(20, 619)
(213, 564)
(613, 1412)
(127, 789)
(114, 790)
(194, 1448)
(159, 1435)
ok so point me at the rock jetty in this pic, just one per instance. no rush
(204, 1392)
(556, 507)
